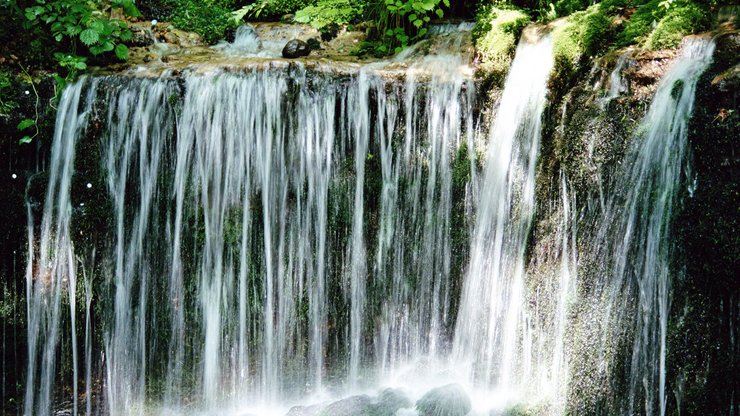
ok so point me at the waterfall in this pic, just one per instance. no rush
(635, 233)
(273, 232)
(51, 270)
(490, 334)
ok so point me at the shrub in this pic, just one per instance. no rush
(660, 24)
(495, 34)
(640, 24)
(329, 12)
(271, 9)
(566, 7)
(210, 21)
(677, 23)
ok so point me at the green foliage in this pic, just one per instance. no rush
(586, 33)
(209, 20)
(566, 7)
(681, 20)
(6, 105)
(660, 24)
(581, 35)
(412, 16)
(641, 23)
(272, 9)
(79, 20)
(495, 35)
(26, 124)
(329, 12)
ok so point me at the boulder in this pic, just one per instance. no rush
(449, 400)
(389, 401)
(295, 49)
(351, 406)
(304, 411)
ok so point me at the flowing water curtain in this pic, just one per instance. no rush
(414, 247)
(52, 271)
(240, 213)
(140, 127)
(635, 235)
(491, 335)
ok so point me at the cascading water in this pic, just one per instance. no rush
(252, 258)
(51, 270)
(283, 232)
(491, 334)
(635, 234)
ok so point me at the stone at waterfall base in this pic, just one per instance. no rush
(295, 48)
(449, 400)
(387, 403)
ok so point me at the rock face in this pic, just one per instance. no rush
(449, 400)
(295, 49)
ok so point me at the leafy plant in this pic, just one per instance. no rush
(6, 105)
(660, 24)
(27, 123)
(78, 21)
(329, 12)
(210, 21)
(270, 9)
(401, 22)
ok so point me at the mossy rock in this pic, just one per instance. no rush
(677, 23)
(496, 34)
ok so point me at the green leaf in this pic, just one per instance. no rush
(121, 51)
(422, 32)
(97, 25)
(440, 13)
(61, 82)
(412, 17)
(129, 9)
(80, 65)
(446, 2)
(126, 35)
(418, 23)
(58, 37)
(25, 140)
(389, 32)
(25, 123)
(89, 37)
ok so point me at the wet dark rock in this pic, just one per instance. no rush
(304, 411)
(295, 49)
(329, 32)
(351, 406)
(313, 44)
(449, 400)
(389, 401)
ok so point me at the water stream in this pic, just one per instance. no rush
(283, 234)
